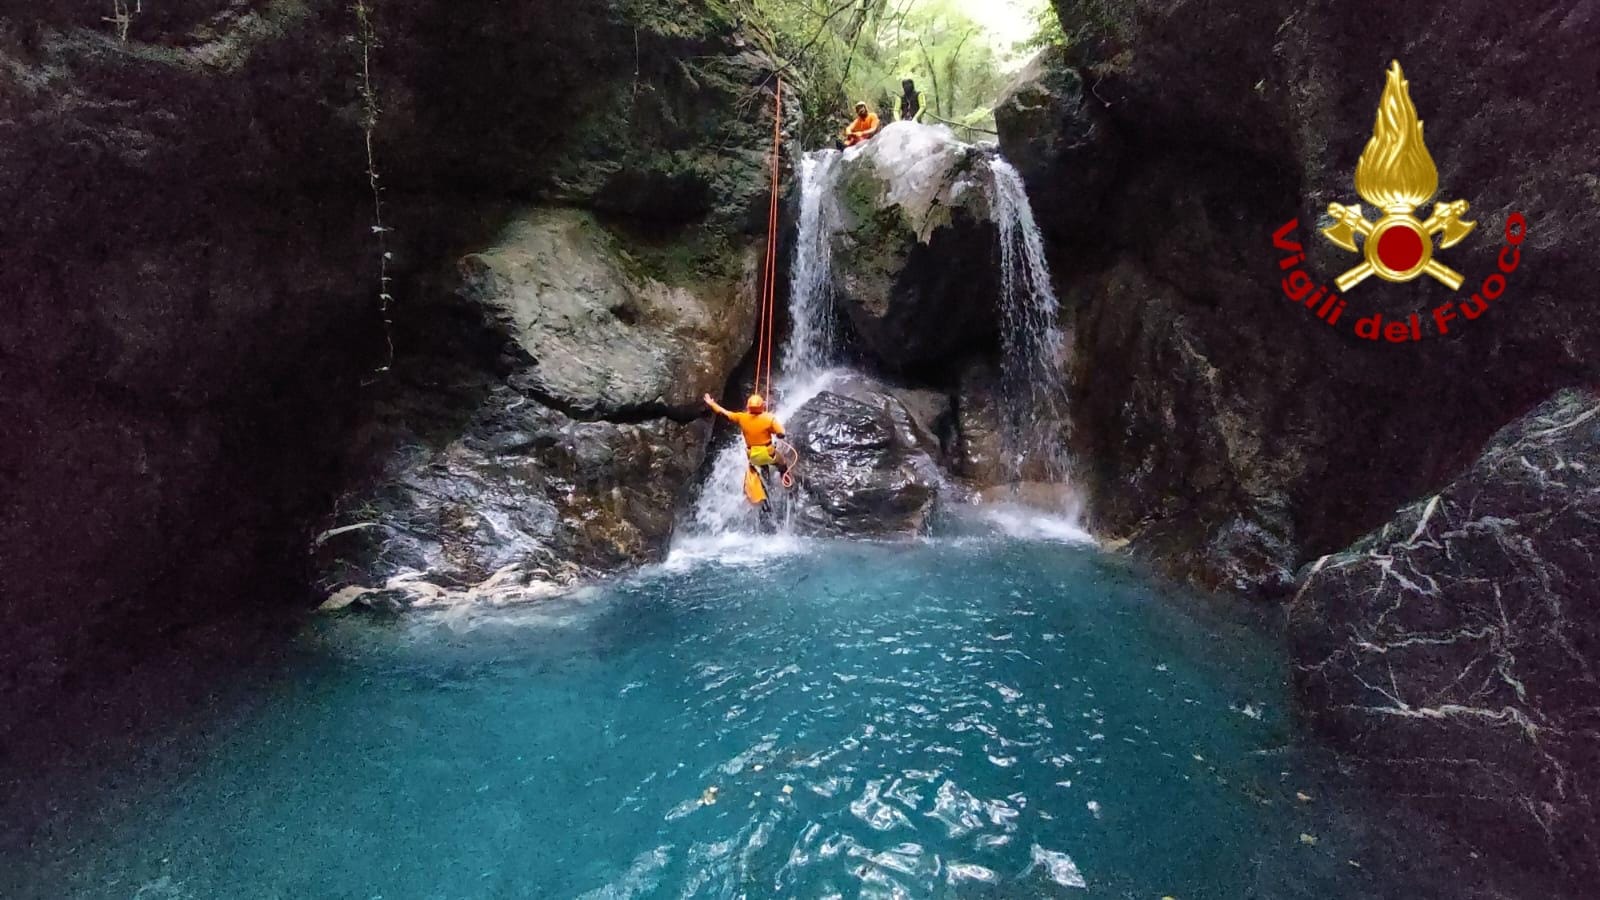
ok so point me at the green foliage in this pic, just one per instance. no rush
(849, 50)
(1047, 31)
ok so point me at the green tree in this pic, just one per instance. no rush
(848, 50)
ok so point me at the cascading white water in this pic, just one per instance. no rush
(721, 508)
(913, 160)
(810, 348)
(1032, 346)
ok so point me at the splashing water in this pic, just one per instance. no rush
(1033, 394)
(921, 169)
(722, 520)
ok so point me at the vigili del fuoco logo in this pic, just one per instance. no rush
(1396, 175)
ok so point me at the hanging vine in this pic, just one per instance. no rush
(366, 35)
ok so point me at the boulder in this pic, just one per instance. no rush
(915, 253)
(549, 423)
(1456, 650)
(525, 489)
(864, 467)
(924, 418)
(604, 334)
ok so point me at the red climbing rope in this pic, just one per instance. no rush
(769, 276)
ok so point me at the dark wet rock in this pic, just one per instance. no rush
(923, 418)
(1227, 431)
(978, 456)
(192, 338)
(864, 466)
(548, 429)
(1057, 136)
(187, 323)
(981, 452)
(1176, 463)
(527, 496)
(1456, 650)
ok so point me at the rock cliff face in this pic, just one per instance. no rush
(181, 282)
(1235, 438)
(557, 436)
(1227, 431)
(193, 350)
(1455, 648)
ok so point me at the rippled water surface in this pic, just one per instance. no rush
(965, 718)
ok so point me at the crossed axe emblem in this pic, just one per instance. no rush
(1398, 247)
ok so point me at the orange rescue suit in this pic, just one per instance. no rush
(859, 130)
(758, 428)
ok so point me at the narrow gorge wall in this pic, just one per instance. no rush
(1228, 432)
(193, 348)
(1235, 439)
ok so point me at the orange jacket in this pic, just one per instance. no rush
(758, 428)
(862, 127)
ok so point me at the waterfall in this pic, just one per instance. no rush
(913, 160)
(807, 356)
(810, 348)
(1032, 348)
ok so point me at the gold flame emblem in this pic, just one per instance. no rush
(1397, 175)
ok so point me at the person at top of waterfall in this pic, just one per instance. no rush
(761, 431)
(910, 102)
(865, 126)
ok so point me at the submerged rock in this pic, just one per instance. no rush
(865, 467)
(1456, 650)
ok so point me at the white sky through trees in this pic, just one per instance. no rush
(1007, 21)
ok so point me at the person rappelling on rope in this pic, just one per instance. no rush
(763, 448)
(761, 429)
(864, 127)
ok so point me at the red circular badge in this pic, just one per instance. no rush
(1400, 248)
